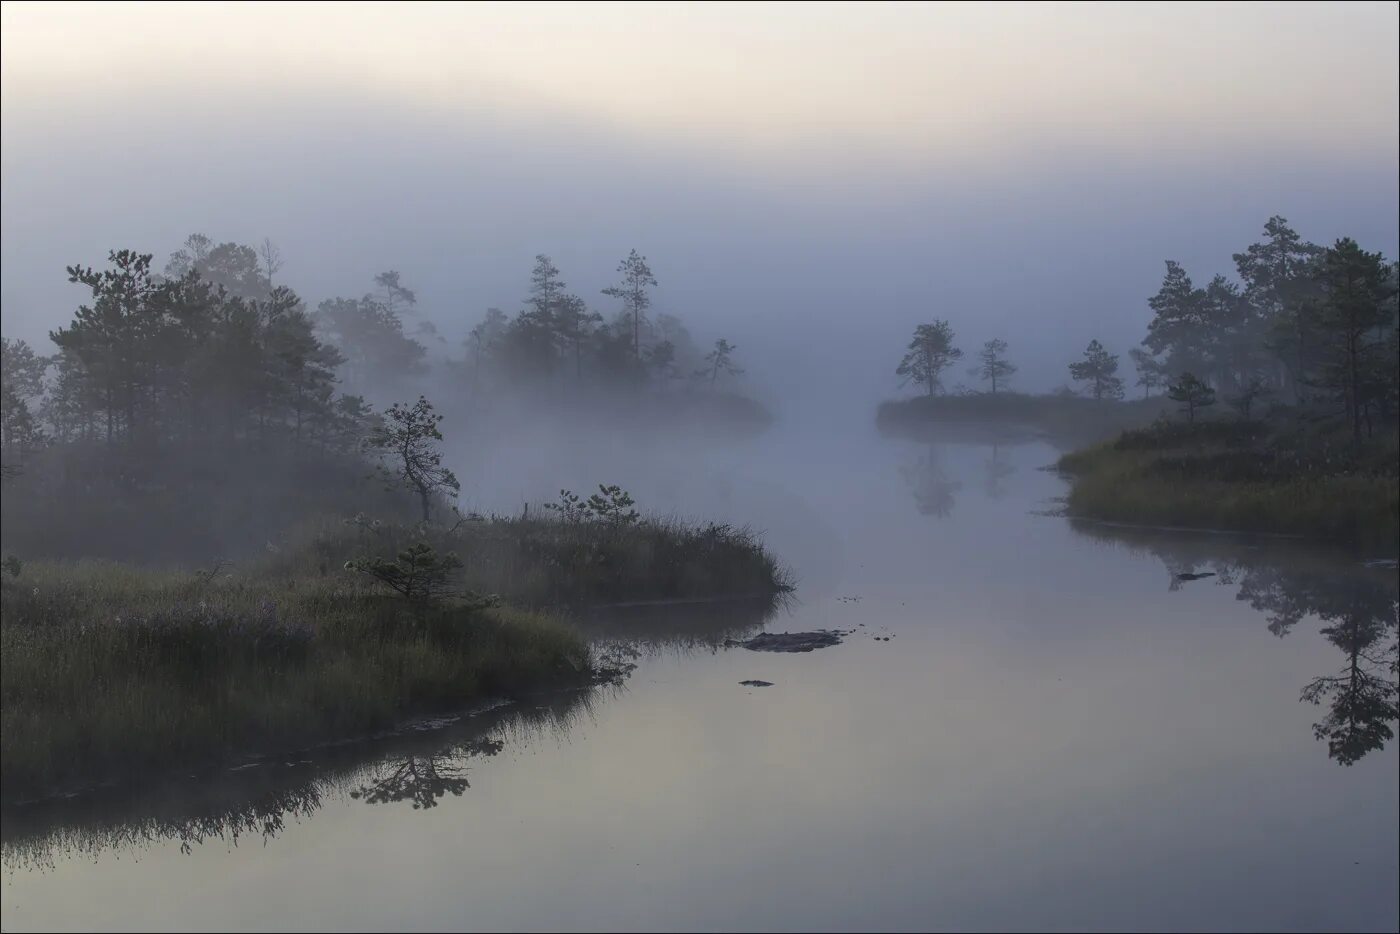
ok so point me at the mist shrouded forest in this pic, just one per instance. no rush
(671, 466)
(1308, 328)
(203, 409)
(1267, 403)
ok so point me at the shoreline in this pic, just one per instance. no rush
(113, 671)
(1239, 478)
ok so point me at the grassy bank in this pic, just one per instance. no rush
(1244, 476)
(539, 561)
(109, 670)
(1060, 419)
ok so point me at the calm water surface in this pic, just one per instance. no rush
(1057, 733)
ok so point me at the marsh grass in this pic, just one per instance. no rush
(228, 805)
(111, 670)
(1243, 476)
(107, 670)
(546, 562)
(1058, 418)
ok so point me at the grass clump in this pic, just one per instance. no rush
(571, 556)
(111, 670)
(1243, 476)
(107, 670)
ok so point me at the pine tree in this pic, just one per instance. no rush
(407, 441)
(1278, 283)
(1099, 369)
(1151, 372)
(1351, 320)
(636, 276)
(720, 360)
(930, 353)
(1192, 393)
(993, 366)
(371, 337)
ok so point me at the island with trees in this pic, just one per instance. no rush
(1269, 402)
(1285, 390)
(1068, 417)
(219, 541)
(558, 357)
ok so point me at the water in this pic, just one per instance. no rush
(1059, 733)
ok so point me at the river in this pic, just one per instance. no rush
(1033, 725)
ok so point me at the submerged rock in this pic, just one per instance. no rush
(1194, 577)
(755, 683)
(791, 641)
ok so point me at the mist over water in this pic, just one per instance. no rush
(1054, 714)
(816, 265)
(1028, 721)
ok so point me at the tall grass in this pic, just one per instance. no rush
(107, 670)
(111, 670)
(1244, 476)
(543, 562)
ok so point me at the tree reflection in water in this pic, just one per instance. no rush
(420, 766)
(424, 779)
(1358, 607)
(932, 488)
(996, 471)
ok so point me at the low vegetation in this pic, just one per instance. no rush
(1243, 475)
(1277, 406)
(1063, 419)
(216, 426)
(352, 625)
(567, 557)
(110, 670)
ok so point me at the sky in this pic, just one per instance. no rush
(807, 180)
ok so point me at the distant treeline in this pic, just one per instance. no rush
(210, 398)
(180, 414)
(557, 344)
(1308, 328)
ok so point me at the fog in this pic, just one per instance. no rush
(699, 466)
(809, 199)
(814, 247)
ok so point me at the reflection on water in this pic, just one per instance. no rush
(996, 470)
(930, 483)
(215, 810)
(935, 487)
(690, 626)
(1356, 608)
(423, 779)
(419, 765)
(1068, 728)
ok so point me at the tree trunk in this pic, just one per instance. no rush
(1355, 391)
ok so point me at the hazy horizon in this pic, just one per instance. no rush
(855, 169)
(848, 517)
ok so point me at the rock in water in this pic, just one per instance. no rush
(792, 641)
(757, 684)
